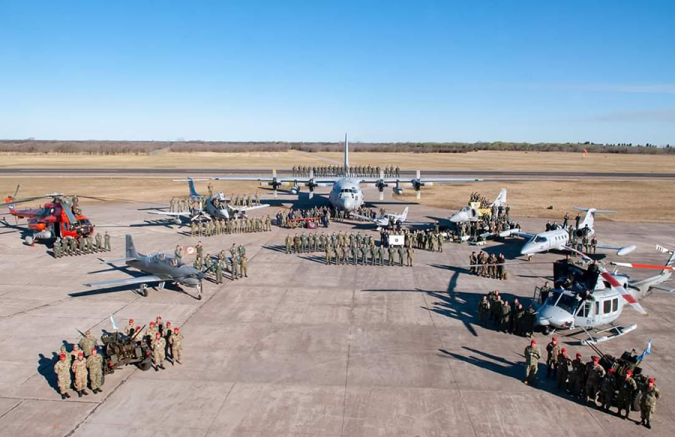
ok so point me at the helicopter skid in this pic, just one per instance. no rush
(615, 331)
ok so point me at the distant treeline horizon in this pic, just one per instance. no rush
(100, 147)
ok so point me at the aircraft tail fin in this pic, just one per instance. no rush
(130, 248)
(501, 199)
(193, 190)
(671, 260)
(346, 163)
(404, 215)
(589, 220)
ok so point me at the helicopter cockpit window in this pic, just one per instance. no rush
(566, 302)
(585, 311)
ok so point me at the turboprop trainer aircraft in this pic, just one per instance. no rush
(558, 239)
(473, 212)
(590, 299)
(160, 268)
(346, 193)
(216, 206)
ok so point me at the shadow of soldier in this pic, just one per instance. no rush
(511, 369)
(46, 369)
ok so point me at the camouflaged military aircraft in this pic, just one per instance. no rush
(160, 268)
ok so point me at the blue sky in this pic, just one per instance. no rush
(535, 71)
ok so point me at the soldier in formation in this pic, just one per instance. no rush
(532, 357)
(70, 246)
(234, 225)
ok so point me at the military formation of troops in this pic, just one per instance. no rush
(186, 204)
(244, 225)
(488, 266)
(166, 343)
(350, 248)
(338, 171)
(81, 246)
(592, 383)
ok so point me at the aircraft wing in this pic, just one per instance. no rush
(421, 180)
(248, 208)
(173, 214)
(127, 281)
(362, 217)
(283, 180)
(517, 233)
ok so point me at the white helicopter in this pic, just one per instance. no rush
(591, 298)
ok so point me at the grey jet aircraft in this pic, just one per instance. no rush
(160, 268)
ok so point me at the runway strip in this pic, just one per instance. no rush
(181, 172)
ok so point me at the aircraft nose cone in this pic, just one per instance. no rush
(528, 249)
(346, 203)
(553, 316)
(458, 217)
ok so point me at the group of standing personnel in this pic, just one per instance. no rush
(339, 170)
(165, 343)
(243, 225)
(509, 318)
(608, 383)
(78, 367)
(70, 246)
(488, 266)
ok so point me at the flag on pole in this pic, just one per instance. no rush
(646, 352)
(114, 324)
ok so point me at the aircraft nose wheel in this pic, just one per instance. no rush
(546, 330)
(143, 291)
(30, 240)
(199, 291)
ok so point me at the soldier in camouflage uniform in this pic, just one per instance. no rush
(563, 364)
(483, 310)
(158, 350)
(95, 367)
(177, 346)
(627, 389)
(80, 372)
(553, 351)
(607, 390)
(87, 343)
(648, 403)
(595, 374)
(532, 357)
(62, 370)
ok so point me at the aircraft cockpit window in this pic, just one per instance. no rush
(566, 302)
(541, 240)
(160, 257)
(585, 310)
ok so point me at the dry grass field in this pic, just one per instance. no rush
(481, 160)
(637, 201)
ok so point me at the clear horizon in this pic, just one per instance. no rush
(304, 72)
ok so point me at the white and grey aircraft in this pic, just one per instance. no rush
(216, 206)
(471, 213)
(346, 193)
(160, 268)
(558, 239)
(385, 220)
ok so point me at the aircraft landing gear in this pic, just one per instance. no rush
(176, 221)
(30, 240)
(143, 290)
(546, 330)
(199, 291)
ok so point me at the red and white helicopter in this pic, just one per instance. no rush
(592, 298)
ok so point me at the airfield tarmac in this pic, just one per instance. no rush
(304, 349)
